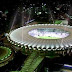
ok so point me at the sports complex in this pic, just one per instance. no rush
(42, 37)
(6, 55)
(41, 40)
(37, 38)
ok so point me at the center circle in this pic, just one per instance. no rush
(48, 33)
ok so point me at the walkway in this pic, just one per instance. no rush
(31, 63)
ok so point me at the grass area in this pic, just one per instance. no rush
(58, 21)
(48, 37)
(4, 53)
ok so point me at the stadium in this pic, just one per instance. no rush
(36, 36)
(42, 37)
(6, 55)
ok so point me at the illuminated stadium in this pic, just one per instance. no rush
(36, 36)
(46, 37)
(5, 55)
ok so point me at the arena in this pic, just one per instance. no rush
(6, 55)
(36, 36)
(29, 37)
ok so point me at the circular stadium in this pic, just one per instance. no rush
(5, 55)
(43, 37)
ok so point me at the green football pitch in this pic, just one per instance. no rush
(48, 37)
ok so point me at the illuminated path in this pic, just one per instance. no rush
(31, 63)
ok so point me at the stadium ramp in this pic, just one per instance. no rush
(31, 63)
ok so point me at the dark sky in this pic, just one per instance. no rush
(9, 4)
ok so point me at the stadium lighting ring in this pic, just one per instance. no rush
(6, 55)
(22, 37)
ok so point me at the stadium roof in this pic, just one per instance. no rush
(21, 37)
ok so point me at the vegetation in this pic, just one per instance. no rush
(58, 21)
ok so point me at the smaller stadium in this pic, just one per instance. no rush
(6, 55)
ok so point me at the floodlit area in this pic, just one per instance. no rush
(48, 33)
(42, 37)
(35, 36)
